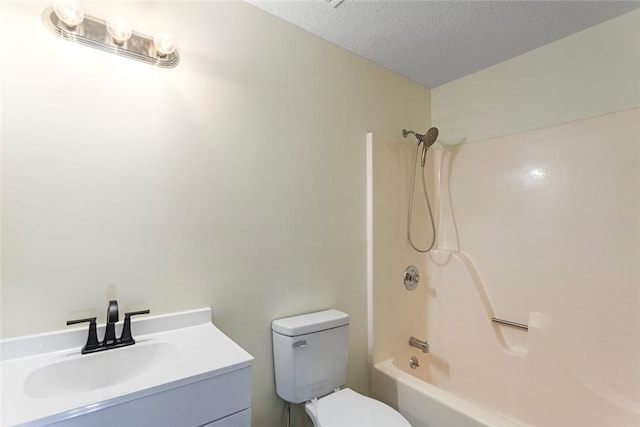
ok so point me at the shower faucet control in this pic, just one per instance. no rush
(411, 277)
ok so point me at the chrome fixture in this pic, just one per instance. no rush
(119, 29)
(413, 362)
(300, 344)
(66, 19)
(411, 277)
(422, 345)
(510, 323)
(427, 140)
(109, 341)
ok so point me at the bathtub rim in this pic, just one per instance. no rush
(449, 400)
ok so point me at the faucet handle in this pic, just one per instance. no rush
(126, 338)
(92, 338)
(88, 319)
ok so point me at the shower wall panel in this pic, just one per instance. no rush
(548, 221)
(541, 228)
(395, 313)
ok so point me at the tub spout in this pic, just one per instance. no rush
(422, 345)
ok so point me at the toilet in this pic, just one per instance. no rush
(310, 354)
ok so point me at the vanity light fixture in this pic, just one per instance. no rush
(163, 43)
(70, 12)
(66, 19)
(119, 29)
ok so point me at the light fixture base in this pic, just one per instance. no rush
(93, 32)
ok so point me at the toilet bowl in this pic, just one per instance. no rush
(346, 408)
(310, 363)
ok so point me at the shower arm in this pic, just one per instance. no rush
(418, 136)
(405, 132)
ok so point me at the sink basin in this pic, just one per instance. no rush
(77, 374)
(182, 371)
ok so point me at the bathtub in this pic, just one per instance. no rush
(543, 387)
(425, 405)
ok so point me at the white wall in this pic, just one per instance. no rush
(593, 72)
(236, 180)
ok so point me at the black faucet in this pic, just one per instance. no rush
(92, 344)
(125, 336)
(110, 331)
(109, 340)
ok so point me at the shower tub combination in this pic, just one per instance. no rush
(573, 364)
(543, 387)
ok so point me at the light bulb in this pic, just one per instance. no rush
(70, 12)
(164, 43)
(119, 29)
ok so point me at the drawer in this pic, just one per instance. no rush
(241, 419)
(190, 405)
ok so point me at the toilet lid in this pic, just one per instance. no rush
(346, 408)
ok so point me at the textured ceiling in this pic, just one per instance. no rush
(434, 42)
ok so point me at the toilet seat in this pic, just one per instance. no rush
(346, 408)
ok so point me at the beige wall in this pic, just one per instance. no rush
(593, 72)
(235, 181)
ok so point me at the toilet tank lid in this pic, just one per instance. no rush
(309, 323)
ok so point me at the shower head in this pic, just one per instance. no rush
(428, 138)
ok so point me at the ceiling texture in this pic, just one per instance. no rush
(435, 42)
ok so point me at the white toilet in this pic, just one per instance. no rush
(310, 361)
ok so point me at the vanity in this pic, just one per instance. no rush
(182, 371)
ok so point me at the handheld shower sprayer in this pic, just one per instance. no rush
(430, 137)
(427, 140)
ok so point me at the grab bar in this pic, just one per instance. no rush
(510, 323)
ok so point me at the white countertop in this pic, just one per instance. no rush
(199, 350)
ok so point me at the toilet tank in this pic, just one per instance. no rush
(310, 354)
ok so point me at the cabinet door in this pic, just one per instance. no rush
(241, 419)
(190, 405)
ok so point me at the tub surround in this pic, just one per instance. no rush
(535, 179)
(509, 251)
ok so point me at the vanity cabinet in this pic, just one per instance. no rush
(241, 419)
(182, 371)
(221, 401)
